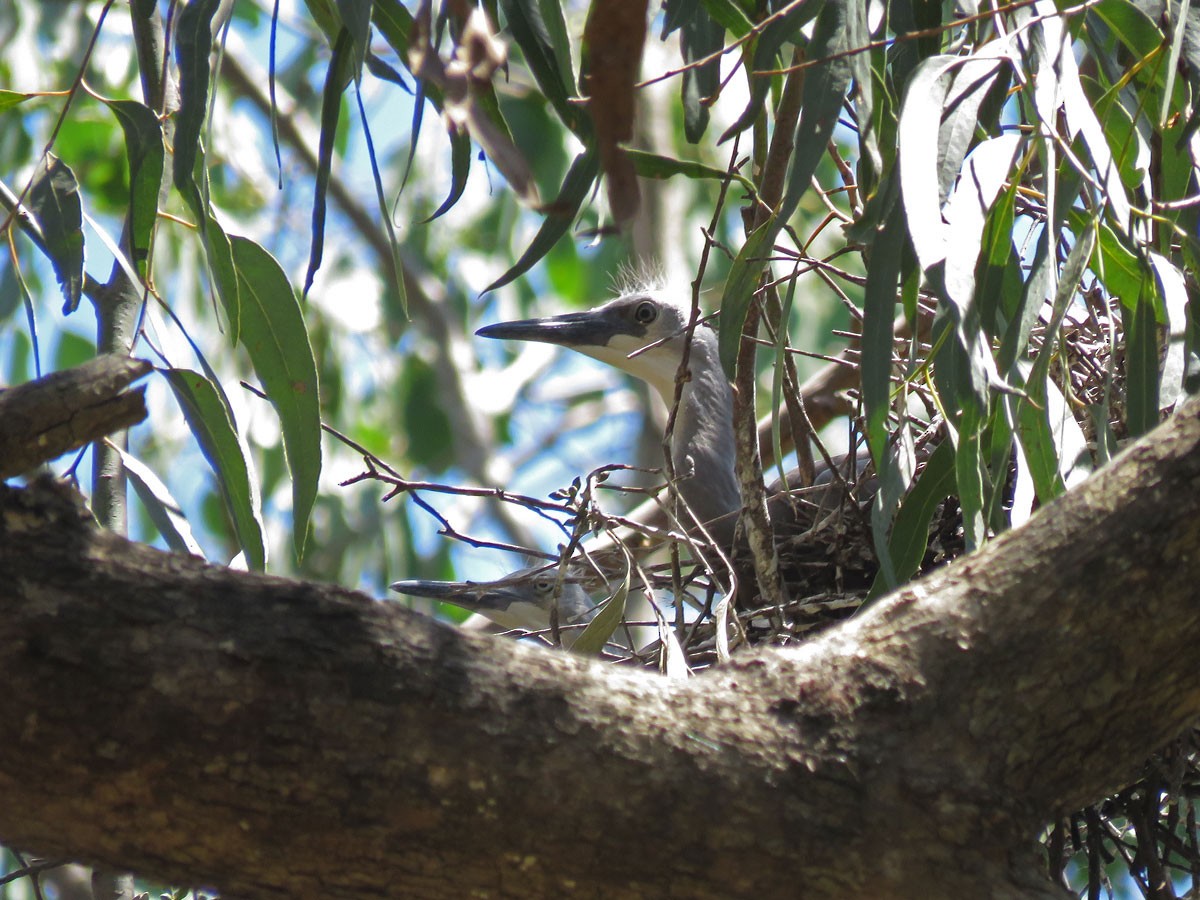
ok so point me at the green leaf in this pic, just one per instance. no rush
(730, 16)
(1129, 25)
(9, 99)
(275, 336)
(550, 15)
(910, 532)
(163, 508)
(654, 165)
(1141, 366)
(211, 421)
(536, 29)
(395, 24)
(701, 37)
(384, 71)
(576, 186)
(397, 266)
(337, 76)
(219, 254)
(997, 271)
(879, 311)
(193, 43)
(144, 148)
(356, 19)
(606, 621)
(460, 167)
(54, 204)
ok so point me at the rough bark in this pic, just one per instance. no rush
(65, 410)
(278, 738)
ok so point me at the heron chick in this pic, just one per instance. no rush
(644, 333)
(520, 600)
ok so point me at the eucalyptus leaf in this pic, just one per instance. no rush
(55, 206)
(211, 421)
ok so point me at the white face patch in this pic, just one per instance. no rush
(520, 614)
(657, 367)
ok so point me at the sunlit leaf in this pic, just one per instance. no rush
(1173, 289)
(276, 338)
(9, 99)
(164, 509)
(211, 421)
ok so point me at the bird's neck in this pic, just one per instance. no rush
(702, 447)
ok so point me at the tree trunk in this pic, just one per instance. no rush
(279, 738)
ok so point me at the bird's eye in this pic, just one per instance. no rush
(544, 585)
(645, 313)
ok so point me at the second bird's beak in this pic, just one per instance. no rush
(475, 596)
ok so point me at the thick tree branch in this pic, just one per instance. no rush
(65, 410)
(277, 738)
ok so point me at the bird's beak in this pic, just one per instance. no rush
(594, 328)
(475, 596)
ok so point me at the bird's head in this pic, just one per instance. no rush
(522, 599)
(642, 333)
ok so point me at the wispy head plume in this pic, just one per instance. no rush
(639, 276)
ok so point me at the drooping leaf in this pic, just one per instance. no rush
(879, 305)
(1173, 290)
(337, 76)
(910, 530)
(1141, 365)
(211, 421)
(395, 23)
(654, 165)
(561, 214)
(54, 204)
(163, 508)
(193, 43)
(460, 168)
(702, 37)
(384, 71)
(356, 19)
(593, 638)
(540, 42)
(146, 154)
(276, 338)
(397, 267)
